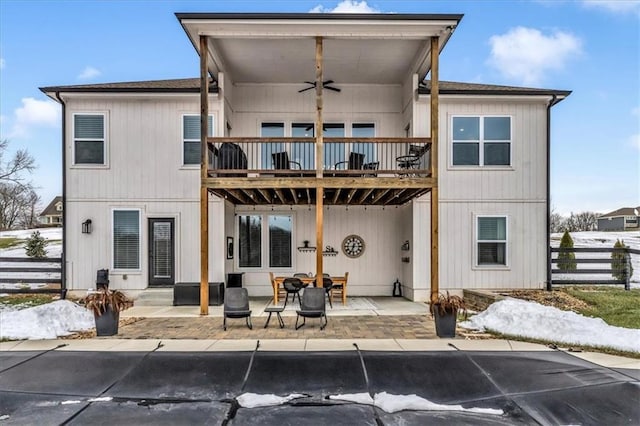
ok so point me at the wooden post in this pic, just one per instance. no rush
(204, 166)
(435, 278)
(319, 163)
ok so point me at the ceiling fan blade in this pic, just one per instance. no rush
(304, 90)
(324, 83)
(313, 83)
(335, 89)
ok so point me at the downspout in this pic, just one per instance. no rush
(554, 100)
(63, 263)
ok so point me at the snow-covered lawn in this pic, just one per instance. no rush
(53, 235)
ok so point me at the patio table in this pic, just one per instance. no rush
(338, 280)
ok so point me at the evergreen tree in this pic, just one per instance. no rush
(35, 245)
(566, 259)
(618, 262)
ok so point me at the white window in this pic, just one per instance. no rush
(481, 141)
(276, 238)
(126, 239)
(333, 151)
(89, 138)
(491, 240)
(304, 153)
(191, 138)
(271, 130)
(366, 149)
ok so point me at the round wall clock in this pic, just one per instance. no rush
(353, 246)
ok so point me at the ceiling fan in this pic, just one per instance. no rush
(325, 85)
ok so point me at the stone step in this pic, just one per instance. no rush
(155, 297)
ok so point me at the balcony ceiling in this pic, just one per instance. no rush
(357, 49)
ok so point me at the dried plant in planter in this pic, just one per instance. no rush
(448, 304)
(98, 301)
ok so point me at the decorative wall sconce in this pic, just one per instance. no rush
(86, 226)
(405, 246)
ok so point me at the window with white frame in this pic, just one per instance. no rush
(333, 151)
(364, 130)
(276, 238)
(481, 140)
(271, 130)
(491, 239)
(126, 239)
(191, 138)
(303, 153)
(89, 138)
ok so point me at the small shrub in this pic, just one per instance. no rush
(566, 259)
(618, 262)
(35, 246)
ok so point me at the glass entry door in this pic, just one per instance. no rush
(161, 252)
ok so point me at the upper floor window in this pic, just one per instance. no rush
(481, 141)
(271, 130)
(191, 138)
(126, 239)
(368, 149)
(491, 239)
(89, 138)
(303, 153)
(333, 151)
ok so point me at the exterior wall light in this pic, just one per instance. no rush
(86, 226)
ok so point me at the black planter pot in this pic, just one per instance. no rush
(445, 322)
(107, 323)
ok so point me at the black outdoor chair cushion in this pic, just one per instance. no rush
(312, 306)
(236, 305)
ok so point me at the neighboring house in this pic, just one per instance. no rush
(624, 219)
(52, 214)
(441, 185)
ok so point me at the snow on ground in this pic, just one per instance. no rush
(53, 235)
(529, 319)
(59, 318)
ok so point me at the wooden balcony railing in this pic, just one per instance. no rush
(341, 157)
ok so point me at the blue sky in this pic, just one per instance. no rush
(591, 47)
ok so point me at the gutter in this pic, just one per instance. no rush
(63, 263)
(554, 100)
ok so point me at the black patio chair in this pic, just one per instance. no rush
(327, 285)
(312, 306)
(356, 161)
(236, 305)
(292, 286)
(231, 157)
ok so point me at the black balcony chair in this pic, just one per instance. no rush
(312, 306)
(327, 285)
(236, 305)
(230, 156)
(281, 162)
(355, 162)
(292, 286)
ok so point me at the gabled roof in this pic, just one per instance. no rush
(625, 211)
(192, 85)
(50, 210)
(455, 88)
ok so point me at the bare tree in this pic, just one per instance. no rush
(585, 221)
(12, 169)
(18, 198)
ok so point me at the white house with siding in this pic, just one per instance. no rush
(375, 145)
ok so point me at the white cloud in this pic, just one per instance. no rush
(89, 73)
(35, 113)
(346, 6)
(526, 54)
(615, 6)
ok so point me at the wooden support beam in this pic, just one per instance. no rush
(319, 163)
(394, 197)
(204, 166)
(308, 196)
(351, 194)
(435, 276)
(365, 195)
(265, 195)
(250, 194)
(338, 182)
(294, 194)
(336, 196)
(379, 196)
(280, 195)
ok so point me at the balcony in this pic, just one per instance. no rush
(360, 171)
